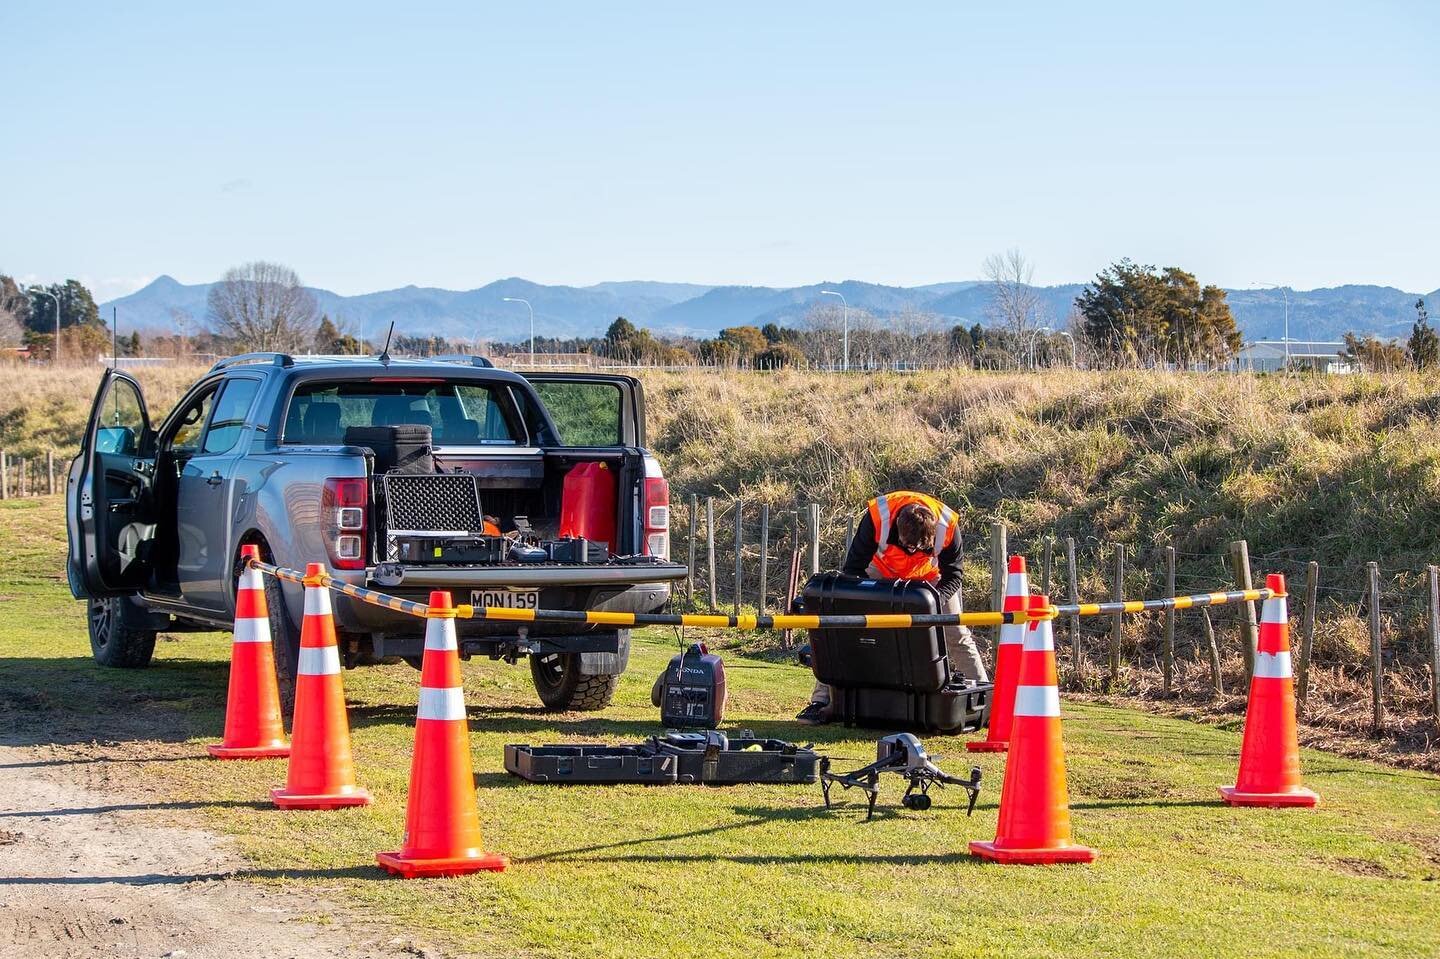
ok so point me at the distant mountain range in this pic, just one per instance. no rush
(694, 309)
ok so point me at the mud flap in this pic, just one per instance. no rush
(608, 664)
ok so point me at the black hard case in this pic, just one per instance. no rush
(889, 678)
(663, 760)
(399, 449)
(912, 660)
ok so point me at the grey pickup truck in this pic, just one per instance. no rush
(282, 452)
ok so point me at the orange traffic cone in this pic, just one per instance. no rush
(253, 729)
(322, 774)
(1270, 752)
(442, 829)
(1034, 825)
(1007, 664)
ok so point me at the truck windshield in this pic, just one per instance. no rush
(458, 413)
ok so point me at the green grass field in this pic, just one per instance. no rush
(745, 871)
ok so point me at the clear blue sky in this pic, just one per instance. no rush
(375, 145)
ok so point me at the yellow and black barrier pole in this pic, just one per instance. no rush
(373, 597)
(766, 620)
(1169, 602)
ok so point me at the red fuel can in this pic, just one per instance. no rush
(587, 504)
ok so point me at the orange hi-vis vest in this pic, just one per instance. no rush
(892, 561)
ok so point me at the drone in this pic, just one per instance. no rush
(903, 755)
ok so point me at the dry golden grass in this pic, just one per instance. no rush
(1340, 470)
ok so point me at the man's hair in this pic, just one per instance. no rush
(915, 525)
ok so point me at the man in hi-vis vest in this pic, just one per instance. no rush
(905, 535)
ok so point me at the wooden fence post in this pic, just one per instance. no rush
(999, 564)
(4, 475)
(1433, 574)
(710, 550)
(739, 557)
(1117, 622)
(812, 518)
(1216, 682)
(50, 472)
(764, 556)
(1045, 559)
(1377, 678)
(849, 535)
(1250, 631)
(694, 521)
(1167, 662)
(1072, 580)
(1307, 634)
(20, 477)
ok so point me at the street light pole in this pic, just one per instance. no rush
(1074, 360)
(1033, 335)
(55, 351)
(516, 299)
(1285, 337)
(845, 305)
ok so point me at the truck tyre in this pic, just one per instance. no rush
(113, 641)
(563, 687)
(285, 640)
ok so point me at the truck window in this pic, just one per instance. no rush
(185, 437)
(586, 414)
(458, 413)
(229, 417)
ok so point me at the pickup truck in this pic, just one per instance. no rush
(256, 453)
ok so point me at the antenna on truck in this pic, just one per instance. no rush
(385, 351)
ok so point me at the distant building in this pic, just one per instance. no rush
(1269, 356)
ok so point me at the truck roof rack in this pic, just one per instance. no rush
(479, 361)
(275, 359)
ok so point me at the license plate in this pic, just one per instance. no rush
(506, 598)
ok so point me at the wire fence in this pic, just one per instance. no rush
(1367, 638)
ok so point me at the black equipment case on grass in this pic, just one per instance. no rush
(707, 757)
(889, 678)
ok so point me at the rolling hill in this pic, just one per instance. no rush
(698, 310)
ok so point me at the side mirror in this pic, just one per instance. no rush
(115, 439)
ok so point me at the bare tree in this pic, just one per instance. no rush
(1014, 304)
(11, 333)
(263, 306)
(14, 311)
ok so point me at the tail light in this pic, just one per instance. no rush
(344, 514)
(657, 510)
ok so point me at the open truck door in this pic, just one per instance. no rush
(110, 511)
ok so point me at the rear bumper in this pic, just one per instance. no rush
(389, 576)
(570, 588)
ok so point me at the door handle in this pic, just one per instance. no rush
(215, 479)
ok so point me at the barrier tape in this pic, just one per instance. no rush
(373, 597)
(760, 620)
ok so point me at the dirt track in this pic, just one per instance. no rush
(85, 871)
